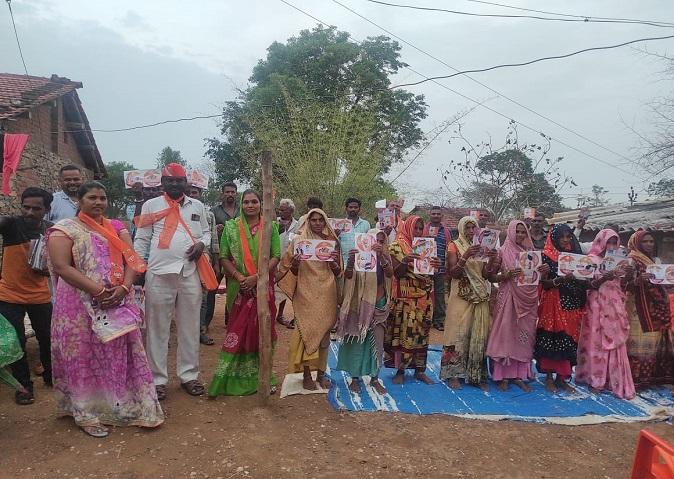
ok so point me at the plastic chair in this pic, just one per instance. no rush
(654, 458)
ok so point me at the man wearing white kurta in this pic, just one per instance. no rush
(172, 285)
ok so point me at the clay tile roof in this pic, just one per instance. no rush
(19, 93)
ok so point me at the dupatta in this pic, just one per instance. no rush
(525, 298)
(480, 287)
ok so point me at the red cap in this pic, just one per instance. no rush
(174, 169)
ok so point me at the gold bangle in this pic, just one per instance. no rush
(100, 292)
(126, 288)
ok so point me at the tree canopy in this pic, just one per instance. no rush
(169, 155)
(320, 70)
(118, 195)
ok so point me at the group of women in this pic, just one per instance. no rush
(616, 328)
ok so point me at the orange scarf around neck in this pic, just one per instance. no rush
(172, 215)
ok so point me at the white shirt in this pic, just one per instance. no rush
(173, 259)
(285, 236)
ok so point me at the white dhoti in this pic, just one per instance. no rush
(168, 296)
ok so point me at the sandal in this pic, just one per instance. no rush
(95, 431)
(24, 398)
(161, 391)
(204, 339)
(193, 387)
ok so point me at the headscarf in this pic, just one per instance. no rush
(525, 298)
(313, 291)
(598, 248)
(473, 268)
(357, 313)
(405, 233)
(174, 169)
(572, 295)
(651, 300)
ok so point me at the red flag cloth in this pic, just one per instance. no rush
(14, 145)
(173, 169)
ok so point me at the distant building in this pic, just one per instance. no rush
(50, 111)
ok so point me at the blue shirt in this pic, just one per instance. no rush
(347, 241)
(62, 207)
(441, 242)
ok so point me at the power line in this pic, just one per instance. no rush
(537, 60)
(566, 14)
(530, 17)
(16, 35)
(487, 107)
(486, 86)
(149, 125)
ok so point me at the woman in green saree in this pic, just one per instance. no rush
(238, 368)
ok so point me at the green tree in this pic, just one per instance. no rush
(118, 196)
(321, 66)
(169, 155)
(507, 179)
(662, 189)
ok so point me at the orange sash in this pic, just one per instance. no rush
(248, 261)
(119, 250)
(172, 215)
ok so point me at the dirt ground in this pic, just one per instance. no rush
(302, 436)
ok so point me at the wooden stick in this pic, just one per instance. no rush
(263, 314)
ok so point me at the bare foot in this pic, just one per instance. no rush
(564, 386)
(502, 385)
(594, 390)
(379, 387)
(484, 387)
(308, 383)
(550, 385)
(423, 378)
(522, 385)
(399, 377)
(354, 387)
(323, 381)
(454, 383)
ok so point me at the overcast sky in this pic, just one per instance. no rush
(143, 62)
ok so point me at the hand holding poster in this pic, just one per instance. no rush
(662, 273)
(426, 248)
(613, 259)
(580, 265)
(315, 250)
(386, 218)
(488, 240)
(366, 259)
(529, 262)
(343, 225)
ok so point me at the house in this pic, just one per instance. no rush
(657, 216)
(451, 216)
(50, 111)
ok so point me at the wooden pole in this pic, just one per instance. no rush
(263, 314)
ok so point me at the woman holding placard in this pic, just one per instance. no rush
(513, 333)
(312, 288)
(602, 352)
(649, 346)
(406, 344)
(362, 317)
(560, 312)
(468, 317)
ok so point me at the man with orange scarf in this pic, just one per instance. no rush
(172, 233)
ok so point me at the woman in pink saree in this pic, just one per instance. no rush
(602, 351)
(513, 332)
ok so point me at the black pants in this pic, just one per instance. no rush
(207, 310)
(40, 319)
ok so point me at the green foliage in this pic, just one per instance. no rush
(169, 155)
(507, 179)
(664, 188)
(118, 196)
(320, 66)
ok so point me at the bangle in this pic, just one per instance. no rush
(555, 283)
(100, 292)
(126, 288)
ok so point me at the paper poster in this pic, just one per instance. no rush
(426, 248)
(529, 213)
(529, 262)
(662, 273)
(488, 240)
(387, 217)
(343, 225)
(475, 214)
(613, 259)
(366, 259)
(197, 178)
(584, 213)
(380, 205)
(315, 250)
(433, 231)
(581, 266)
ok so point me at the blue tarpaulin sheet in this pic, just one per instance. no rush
(414, 397)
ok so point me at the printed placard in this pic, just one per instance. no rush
(366, 259)
(475, 214)
(197, 178)
(662, 273)
(433, 231)
(580, 265)
(343, 225)
(529, 262)
(488, 240)
(426, 248)
(613, 259)
(152, 178)
(584, 213)
(529, 213)
(315, 250)
(386, 218)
